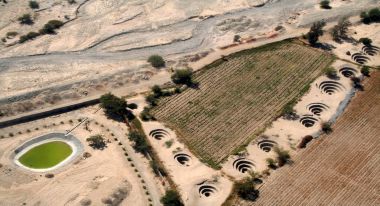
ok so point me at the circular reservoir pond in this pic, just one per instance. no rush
(47, 152)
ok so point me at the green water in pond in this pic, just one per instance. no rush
(46, 155)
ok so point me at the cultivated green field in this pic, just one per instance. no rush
(46, 155)
(237, 98)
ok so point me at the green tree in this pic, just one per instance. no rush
(156, 61)
(326, 127)
(157, 91)
(340, 30)
(34, 5)
(316, 30)
(115, 107)
(366, 41)
(183, 76)
(25, 19)
(365, 71)
(97, 142)
(246, 189)
(325, 4)
(171, 198)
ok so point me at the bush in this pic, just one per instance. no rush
(152, 100)
(246, 190)
(145, 114)
(305, 141)
(157, 169)
(237, 38)
(34, 5)
(366, 41)
(171, 198)
(365, 71)
(156, 61)
(157, 91)
(331, 73)
(25, 19)
(325, 4)
(97, 142)
(11, 34)
(71, 1)
(183, 76)
(31, 35)
(51, 26)
(271, 163)
(326, 127)
(283, 156)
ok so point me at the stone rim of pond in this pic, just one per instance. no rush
(71, 140)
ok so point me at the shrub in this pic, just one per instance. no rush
(156, 61)
(305, 141)
(49, 175)
(156, 167)
(366, 41)
(51, 26)
(71, 1)
(171, 198)
(331, 73)
(152, 100)
(145, 114)
(365, 71)
(25, 19)
(11, 34)
(357, 83)
(169, 143)
(246, 189)
(271, 163)
(183, 76)
(31, 35)
(140, 144)
(157, 91)
(326, 127)
(325, 4)
(97, 142)
(283, 156)
(34, 5)
(237, 38)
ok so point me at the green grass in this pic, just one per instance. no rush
(46, 155)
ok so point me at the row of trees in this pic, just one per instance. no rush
(49, 28)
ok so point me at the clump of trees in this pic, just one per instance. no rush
(372, 16)
(316, 30)
(25, 19)
(156, 61)
(340, 30)
(331, 73)
(171, 198)
(325, 4)
(184, 76)
(51, 26)
(246, 189)
(366, 41)
(34, 5)
(97, 142)
(116, 107)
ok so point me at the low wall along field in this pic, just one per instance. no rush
(237, 98)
